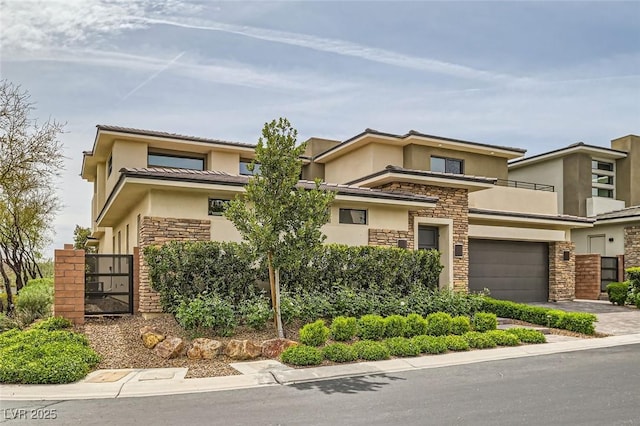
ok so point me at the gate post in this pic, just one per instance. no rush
(69, 269)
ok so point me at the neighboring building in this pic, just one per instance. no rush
(599, 183)
(415, 189)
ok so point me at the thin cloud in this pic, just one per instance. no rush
(152, 76)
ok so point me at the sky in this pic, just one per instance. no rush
(533, 75)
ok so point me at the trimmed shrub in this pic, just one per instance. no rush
(574, 321)
(502, 338)
(460, 325)
(35, 301)
(256, 312)
(38, 356)
(53, 323)
(371, 327)
(344, 328)
(371, 351)
(395, 326)
(430, 344)
(302, 355)
(207, 312)
(484, 321)
(526, 335)
(634, 277)
(438, 324)
(416, 325)
(618, 293)
(339, 352)
(427, 301)
(479, 340)
(314, 334)
(456, 343)
(348, 302)
(402, 346)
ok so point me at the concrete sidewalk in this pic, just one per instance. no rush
(169, 381)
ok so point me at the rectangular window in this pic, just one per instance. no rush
(602, 192)
(138, 231)
(447, 165)
(109, 165)
(601, 165)
(119, 243)
(603, 179)
(175, 161)
(353, 216)
(126, 239)
(244, 168)
(217, 206)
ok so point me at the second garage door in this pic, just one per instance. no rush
(511, 270)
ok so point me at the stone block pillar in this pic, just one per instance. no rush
(588, 276)
(632, 246)
(69, 267)
(562, 273)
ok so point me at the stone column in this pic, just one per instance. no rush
(632, 246)
(69, 267)
(562, 273)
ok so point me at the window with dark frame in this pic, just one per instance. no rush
(217, 206)
(109, 165)
(353, 216)
(447, 165)
(244, 168)
(175, 161)
(602, 178)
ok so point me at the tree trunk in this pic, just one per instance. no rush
(7, 288)
(276, 313)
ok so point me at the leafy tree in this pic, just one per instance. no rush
(279, 217)
(30, 158)
(80, 237)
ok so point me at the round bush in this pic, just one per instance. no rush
(430, 344)
(460, 325)
(207, 311)
(416, 325)
(302, 355)
(483, 321)
(456, 343)
(438, 324)
(502, 338)
(402, 346)
(314, 334)
(339, 352)
(479, 340)
(527, 335)
(371, 327)
(344, 328)
(395, 326)
(371, 351)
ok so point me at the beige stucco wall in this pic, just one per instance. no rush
(142, 208)
(125, 154)
(361, 162)
(515, 200)
(546, 172)
(221, 161)
(515, 233)
(418, 157)
(581, 239)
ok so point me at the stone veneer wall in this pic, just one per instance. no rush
(453, 203)
(632, 246)
(588, 276)
(562, 273)
(157, 231)
(69, 268)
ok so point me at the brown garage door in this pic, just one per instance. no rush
(511, 270)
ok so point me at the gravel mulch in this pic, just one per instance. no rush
(118, 341)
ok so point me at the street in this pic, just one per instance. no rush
(593, 387)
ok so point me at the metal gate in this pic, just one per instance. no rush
(608, 271)
(108, 287)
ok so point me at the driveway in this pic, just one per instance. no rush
(612, 319)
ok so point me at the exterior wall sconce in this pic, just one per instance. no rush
(610, 239)
(402, 243)
(566, 255)
(457, 250)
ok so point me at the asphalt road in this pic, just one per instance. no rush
(595, 387)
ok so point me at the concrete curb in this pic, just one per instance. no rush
(171, 381)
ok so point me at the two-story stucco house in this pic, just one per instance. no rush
(413, 190)
(599, 183)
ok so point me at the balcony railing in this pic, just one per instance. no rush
(525, 185)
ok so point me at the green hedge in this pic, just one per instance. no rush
(573, 321)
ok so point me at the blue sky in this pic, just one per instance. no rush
(535, 75)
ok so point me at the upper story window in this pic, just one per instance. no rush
(447, 165)
(109, 165)
(602, 179)
(353, 216)
(177, 161)
(244, 168)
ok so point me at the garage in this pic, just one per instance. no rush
(511, 270)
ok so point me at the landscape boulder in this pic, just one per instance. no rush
(171, 347)
(242, 350)
(151, 336)
(273, 348)
(203, 348)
